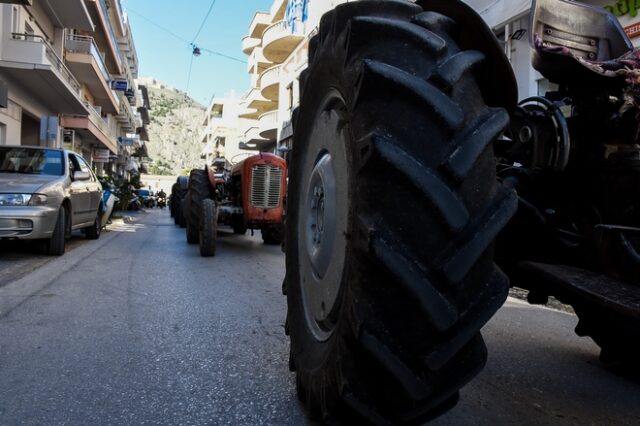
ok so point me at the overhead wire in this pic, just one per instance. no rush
(204, 21)
(178, 37)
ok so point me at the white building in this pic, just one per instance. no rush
(277, 45)
(223, 134)
(510, 20)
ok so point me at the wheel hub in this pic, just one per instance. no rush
(322, 223)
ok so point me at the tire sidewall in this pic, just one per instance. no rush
(310, 353)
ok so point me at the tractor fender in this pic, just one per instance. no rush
(497, 80)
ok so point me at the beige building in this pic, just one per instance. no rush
(69, 67)
(223, 134)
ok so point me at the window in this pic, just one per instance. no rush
(290, 96)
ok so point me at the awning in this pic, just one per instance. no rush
(497, 13)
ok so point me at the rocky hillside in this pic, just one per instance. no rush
(175, 128)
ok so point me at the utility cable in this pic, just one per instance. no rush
(204, 21)
(176, 36)
(189, 74)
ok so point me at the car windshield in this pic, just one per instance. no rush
(31, 161)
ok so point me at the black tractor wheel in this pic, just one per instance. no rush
(182, 212)
(617, 335)
(93, 232)
(238, 225)
(55, 245)
(173, 198)
(208, 228)
(272, 234)
(199, 190)
(392, 212)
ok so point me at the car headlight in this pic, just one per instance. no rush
(38, 200)
(18, 200)
(14, 199)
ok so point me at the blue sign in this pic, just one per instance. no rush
(120, 85)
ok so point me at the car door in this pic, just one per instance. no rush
(79, 193)
(94, 188)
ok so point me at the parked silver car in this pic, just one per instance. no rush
(45, 194)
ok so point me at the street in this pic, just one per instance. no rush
(137, 328)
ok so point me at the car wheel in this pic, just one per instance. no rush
(56, 244)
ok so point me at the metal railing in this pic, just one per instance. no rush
(52, 57)
(114, 39)
(99, 122)
(86, 44)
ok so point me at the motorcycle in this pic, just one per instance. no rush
(161, 201)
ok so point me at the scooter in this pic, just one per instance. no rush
(109, 200)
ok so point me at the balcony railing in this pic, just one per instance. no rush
(52, 57)
(112, 34)
(99, 122)
(86, 45)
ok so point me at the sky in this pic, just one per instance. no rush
(165, 53)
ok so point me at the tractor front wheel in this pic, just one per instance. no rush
(208, 228)
(392, 212)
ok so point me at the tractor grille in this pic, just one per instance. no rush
(266, 186)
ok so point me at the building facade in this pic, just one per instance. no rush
(223, 134)
(277, 45)
(69, 68)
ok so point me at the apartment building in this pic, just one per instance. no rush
(510, 21)
(223, 135)
(69, 67)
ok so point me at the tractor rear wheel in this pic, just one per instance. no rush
(199, 190)
(392, 212)
(272, 234)
(208, 228)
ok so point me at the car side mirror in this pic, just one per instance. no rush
(80, 175)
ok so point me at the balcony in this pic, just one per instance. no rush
(92, 128)
(278, 10)
(126, 116)
(268, 125)
(270, 83)
(253, 141)
(31, 62)
(69, 13)
(87, 64)
(261, 20)
(257, 63)
(105, 36)
(279, 41)
(249, 43)
(256, 105)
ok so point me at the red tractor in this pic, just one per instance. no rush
(251, 195)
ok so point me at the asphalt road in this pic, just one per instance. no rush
(137, 328)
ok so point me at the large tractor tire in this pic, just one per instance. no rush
(617, 335)
(392, 212)
(208, 228)
(199, 190)
(173, 199)
(272, 234)
(182, 212)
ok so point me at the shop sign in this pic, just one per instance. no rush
(101, 155)
(120, 85)
(128, 141)
(633, 30)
